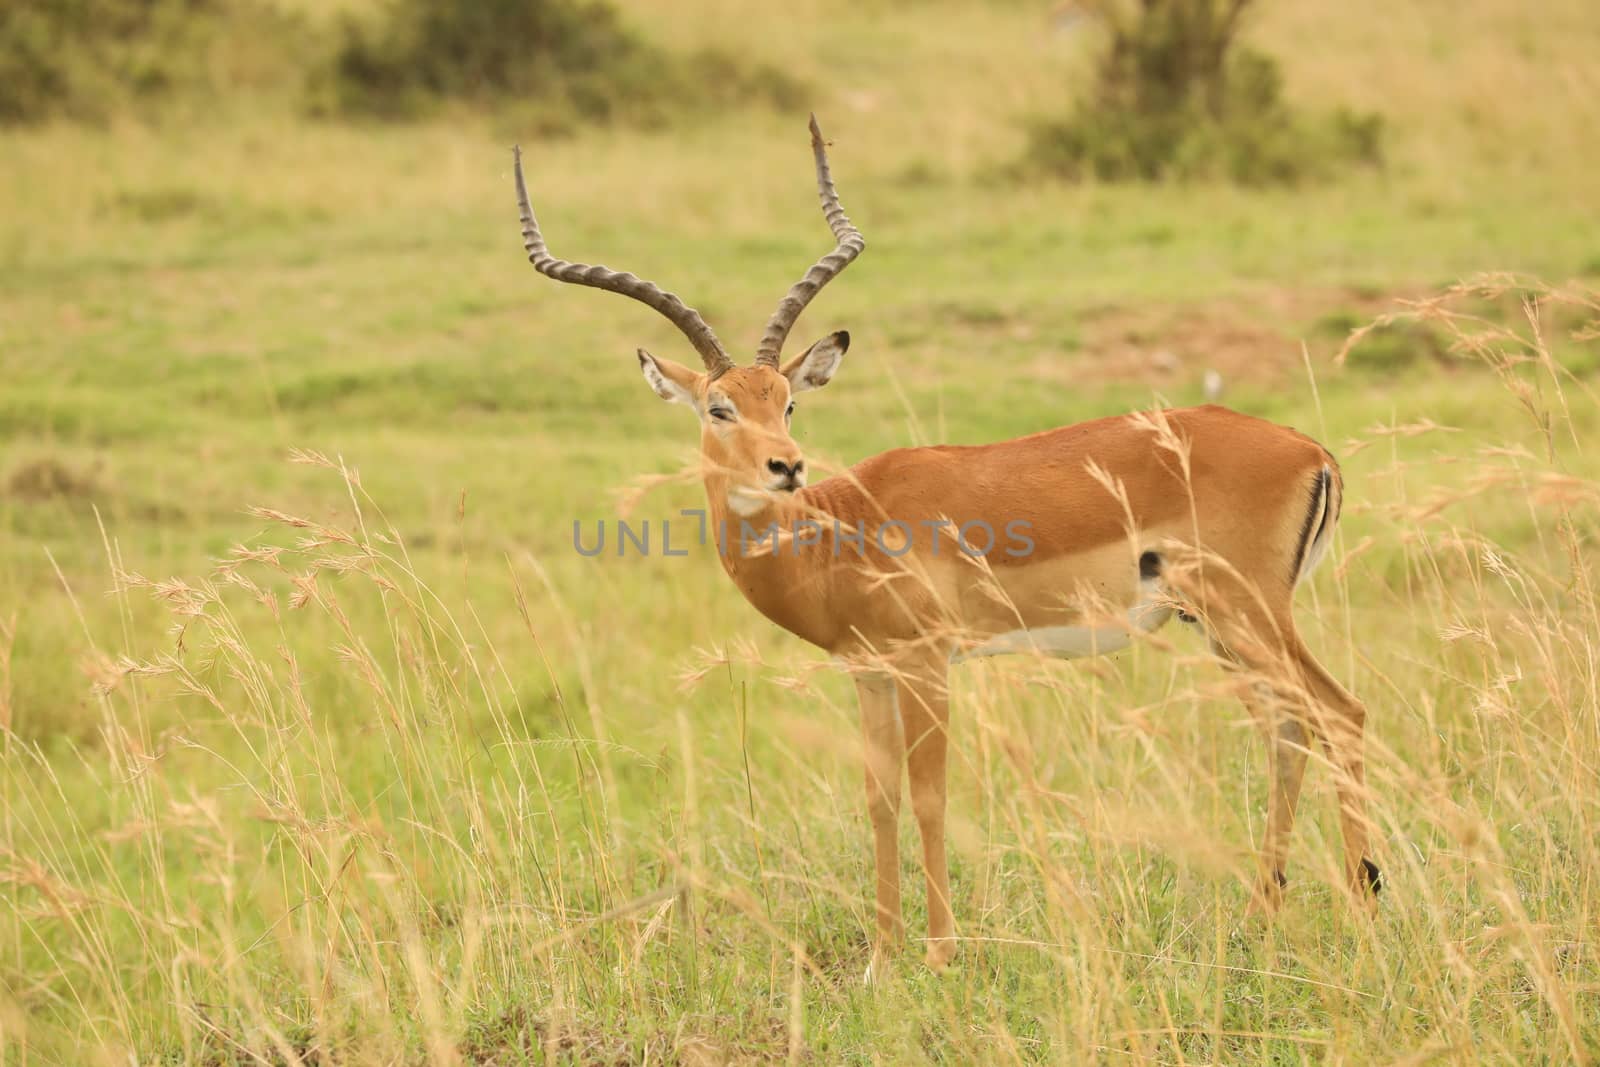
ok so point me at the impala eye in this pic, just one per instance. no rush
(722, 414)
(789, 411)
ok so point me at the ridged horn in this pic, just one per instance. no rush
(850, 245)
(676, 311)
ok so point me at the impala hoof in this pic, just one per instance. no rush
(1268, 896)
(940, 952)
(877, 969)
(1371, 877)
(1369, 883)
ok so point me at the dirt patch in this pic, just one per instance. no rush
(50, 479)
(80, 488)
(1256, 338)
(1158, 349)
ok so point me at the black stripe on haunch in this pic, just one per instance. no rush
(1319, 495)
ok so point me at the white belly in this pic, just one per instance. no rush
(1063, 642)
(1071, 642)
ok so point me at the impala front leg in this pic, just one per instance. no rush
(884, 753)
(925, 708)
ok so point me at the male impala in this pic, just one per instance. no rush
(1067, 542)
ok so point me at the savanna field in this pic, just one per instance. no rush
(320, 743)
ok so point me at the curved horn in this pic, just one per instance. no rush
(824, 270)
(677, 312)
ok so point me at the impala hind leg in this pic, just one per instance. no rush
(884, 752)
(1343, 731)
(1287, 751)
(925, 710)
(1320, 707)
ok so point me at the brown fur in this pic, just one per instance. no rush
(1222, 498)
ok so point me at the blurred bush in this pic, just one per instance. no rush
(1177, 96)
(565, 59)
(1389, 348)
(88, 59)
(550, 63)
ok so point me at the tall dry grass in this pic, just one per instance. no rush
(332, 820)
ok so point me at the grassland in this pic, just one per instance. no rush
(411, 781)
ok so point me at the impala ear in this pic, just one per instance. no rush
(673, 382)
(815, 367)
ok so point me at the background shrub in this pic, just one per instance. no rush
(1177, 95)
(88, 59)
(552, 62)
(568, 58)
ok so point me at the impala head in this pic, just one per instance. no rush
(745, 414)
(744, 411)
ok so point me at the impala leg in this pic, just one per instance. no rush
(1343, 730)
(884, 754)
(1287, 751)
(925, 708)
(1287, 741)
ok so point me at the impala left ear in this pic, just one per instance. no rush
(816, 366)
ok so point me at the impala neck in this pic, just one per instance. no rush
(788, 585)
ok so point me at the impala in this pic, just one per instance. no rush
(898, 567)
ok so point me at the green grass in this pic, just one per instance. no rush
(479, 799)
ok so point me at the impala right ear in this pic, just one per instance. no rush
(815, 367)
(673, 382)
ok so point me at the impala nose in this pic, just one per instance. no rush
(791, 475)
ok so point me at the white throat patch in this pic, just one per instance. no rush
(745, 502)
